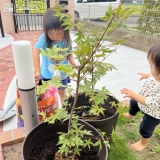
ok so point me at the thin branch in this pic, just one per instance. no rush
(93, 52)
(111, 32)
(75, 100)
(99, 62)
(92, 75)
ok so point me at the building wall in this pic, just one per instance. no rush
(7, 20)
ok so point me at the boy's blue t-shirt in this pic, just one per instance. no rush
(46, 62)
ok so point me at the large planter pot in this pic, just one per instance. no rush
(105, 125)
(44, 131)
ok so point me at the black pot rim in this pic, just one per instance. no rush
(101, 120)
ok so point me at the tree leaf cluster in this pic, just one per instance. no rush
(76, 139)
(60, 115)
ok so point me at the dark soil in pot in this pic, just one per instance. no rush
(47, 149)
(40, 143)
(106, 123)
(83, 106)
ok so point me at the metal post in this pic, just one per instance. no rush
(89, 12)
(27, 12)
(1, 26)
(48, 4)
(14, 17)
(29, 108)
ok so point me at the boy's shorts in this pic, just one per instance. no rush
(64, 82)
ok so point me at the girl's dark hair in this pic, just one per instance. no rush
(51, 22)
(154, 54)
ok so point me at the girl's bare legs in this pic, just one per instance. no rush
(141, 144)
(62, 94)
(128, 116)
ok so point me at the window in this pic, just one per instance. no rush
(101, 0)
(79, 1)
(86, 1)
(90, 0)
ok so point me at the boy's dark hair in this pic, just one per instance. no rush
(51, 22)
(154, 54)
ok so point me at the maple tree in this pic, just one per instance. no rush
(91, 54)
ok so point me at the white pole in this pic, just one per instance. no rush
(22, 54)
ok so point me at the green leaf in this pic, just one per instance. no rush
(100, 96)
(118, 10)
(60, 114)
(51, 119)
(77, 151)
(107, 143)
(69, 91)
(98, 143)
(43, 114)
(48, 50)
(45, 84)
(66, 68)
(88, 143)
(110, 11)
(68, 27)
(87, 89)
(58, 57)
(86, 132)
(121, 41)
(43, 52)
(79, 26)
(96, 110)
(41, 89)
(55, 81)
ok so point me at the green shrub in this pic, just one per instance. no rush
(149, 20)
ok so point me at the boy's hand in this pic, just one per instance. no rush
(37, 77)
(143, 75)
(127, 92)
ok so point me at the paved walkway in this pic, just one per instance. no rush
(5, 41)
(7, 70)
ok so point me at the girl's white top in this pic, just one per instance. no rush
(151, 90)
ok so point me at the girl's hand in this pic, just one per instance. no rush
(127, 92)
(144, 75)
(73, 64)
(37, 77)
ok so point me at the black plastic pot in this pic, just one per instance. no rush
(45, 130)
(105, 125)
